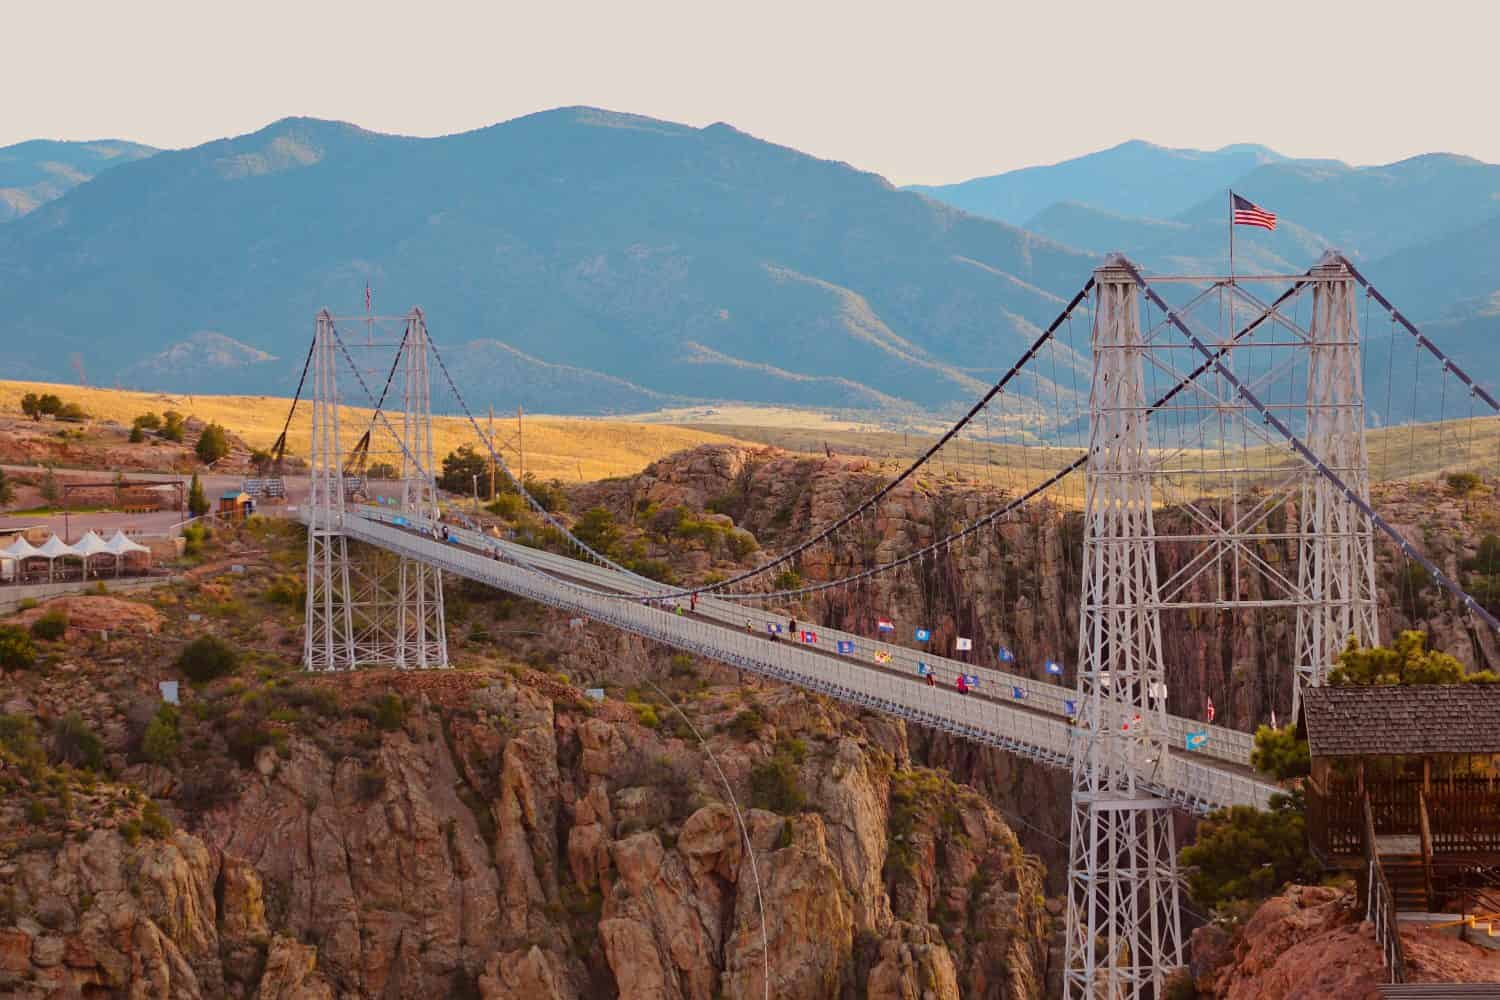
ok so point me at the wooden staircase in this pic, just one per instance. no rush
(1408, 882)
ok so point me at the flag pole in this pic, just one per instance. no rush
(1231, 235)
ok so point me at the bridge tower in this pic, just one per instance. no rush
(1124, 936)
(1336, 565)
(364, 608)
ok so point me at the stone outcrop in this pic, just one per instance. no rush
(1311, 941)
(500, 841)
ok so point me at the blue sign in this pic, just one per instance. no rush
(846, 646)
(923, 670)
(973, 680)
(1070, 707)
(1017, 692)
(1197, 740)
(1005, 655)
(773, 627)
(1054, 668)
(923, 635)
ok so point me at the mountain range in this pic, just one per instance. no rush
(36, 172)
(589, 261)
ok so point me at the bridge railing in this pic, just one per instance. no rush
(1039, 695)
(1193, 784)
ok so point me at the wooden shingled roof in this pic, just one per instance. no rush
(1402, 719)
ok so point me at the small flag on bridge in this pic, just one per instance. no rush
(922, 635)
(846, 646)
(773, 627)
(962, 644)
(923, 670)
(884, 625)
(973, 680)
(1004, 655)
(1248, 213)
(1210, 710)
(1070, 707)
(808, 638)
(1054, 668)
(881, 656)
(1017, 692)
(1196, 740)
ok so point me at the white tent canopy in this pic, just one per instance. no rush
(54, 547)
(89, 545)
(19, 549)
(119, 545)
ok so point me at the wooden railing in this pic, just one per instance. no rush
(1463, 814)
(1380, 904)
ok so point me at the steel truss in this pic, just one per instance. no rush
(1337, 558)
(1124, 935)
(370, 609)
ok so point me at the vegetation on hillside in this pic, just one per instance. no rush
(1406, 661)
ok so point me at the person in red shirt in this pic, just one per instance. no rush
(962, 684)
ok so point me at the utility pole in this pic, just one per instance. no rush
(491, 450)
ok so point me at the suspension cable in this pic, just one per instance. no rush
(1306, 454)
(279, 448)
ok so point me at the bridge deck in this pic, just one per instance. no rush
(1193, 780)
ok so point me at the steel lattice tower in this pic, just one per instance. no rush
(367, 611)
(421, 640)
(1124, 936)
(1337, 549)
(328, 638)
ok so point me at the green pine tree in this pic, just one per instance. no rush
(197, 501)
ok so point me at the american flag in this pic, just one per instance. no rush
(1248, 213)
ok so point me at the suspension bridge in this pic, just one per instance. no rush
(1205, 413)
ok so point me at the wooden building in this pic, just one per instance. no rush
(1406, 782)
(236, 505)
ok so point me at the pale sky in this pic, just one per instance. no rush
(923, 92)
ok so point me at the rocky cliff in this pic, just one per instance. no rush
(1309, 942)
(1017, 584)
(486, 831)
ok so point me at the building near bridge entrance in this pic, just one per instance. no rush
(1405, 790)
(236, 505)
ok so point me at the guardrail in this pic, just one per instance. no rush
(1380, 904)
(1194, 785)
(1222, 743)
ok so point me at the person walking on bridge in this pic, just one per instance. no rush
(962, 684)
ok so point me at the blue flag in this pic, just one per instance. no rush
(1070, 707)
(973, 680)
(846, 646)
(1017, 692)
(1054, 668)
(773, 627)
(1197, 740)
(1005, 655)
(923, 635)
(923, 669)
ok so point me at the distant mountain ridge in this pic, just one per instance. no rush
(1135, 178)
(36, 172)
(670, 261)
(589, 261)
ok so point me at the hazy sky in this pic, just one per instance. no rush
(921, 92)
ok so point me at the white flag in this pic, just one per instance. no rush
(963, 643)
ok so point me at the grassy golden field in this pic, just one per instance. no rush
(568, 449)
(574, 449)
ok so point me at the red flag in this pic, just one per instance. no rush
(1210, 710)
